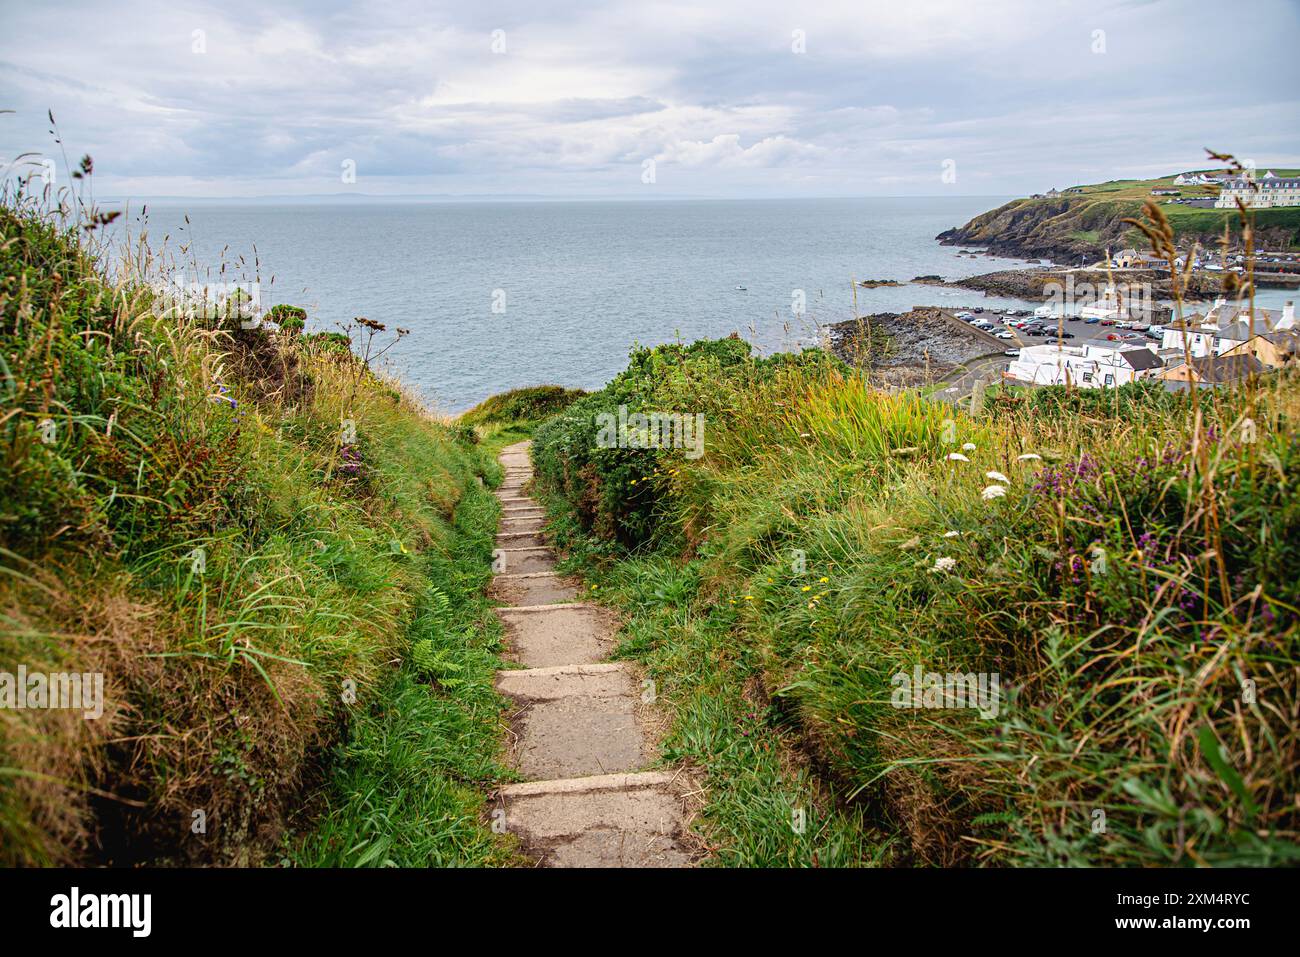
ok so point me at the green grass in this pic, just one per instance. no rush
(334, 633)
(407, 786)
(778, 585)
(765, 807)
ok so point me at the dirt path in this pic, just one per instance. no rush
(579, 732)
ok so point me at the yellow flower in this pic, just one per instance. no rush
(823, 579)
(633, 482)
(749, 598)
(806, 588)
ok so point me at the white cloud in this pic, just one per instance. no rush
(1010, 90)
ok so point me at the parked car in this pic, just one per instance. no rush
(963, 314)
(1037, 332)
(1108, 322)
(1092, 320)
(1011, 352)
(1006, 335)
(1067, 335)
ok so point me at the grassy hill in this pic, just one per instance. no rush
(1085, 224)
(275, 559)
(1122, 561)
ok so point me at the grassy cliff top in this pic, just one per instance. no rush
(1087, 223)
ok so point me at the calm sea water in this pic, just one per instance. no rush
(580, 282)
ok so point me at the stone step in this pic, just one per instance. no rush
(543, 636)
(509, 525)
(608, 820)
(521, 511)
(575, 720)
(515, 561)
(517, 501)
(520, 539)
(534, 588)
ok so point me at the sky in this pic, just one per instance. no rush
(641, 99)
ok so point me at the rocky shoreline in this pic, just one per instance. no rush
(909, 349)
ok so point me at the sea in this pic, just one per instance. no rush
(502, 294)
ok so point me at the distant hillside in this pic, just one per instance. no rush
(1084, 224)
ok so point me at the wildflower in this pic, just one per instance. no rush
(823, 579)
(633, 482)
(749, 598)
(968, 447)
(944, 564)
(957, 457)
(1029, 457)
(806, 588)
(594, 587)
(951, 534)
(993, 491)
(998, 477)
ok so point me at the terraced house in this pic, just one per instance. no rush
(1267, 191)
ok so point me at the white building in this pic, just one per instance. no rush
(1222, 328)
(1267, 191)
(1092, 365)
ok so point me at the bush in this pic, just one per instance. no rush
(1130, 578)
(290, 319)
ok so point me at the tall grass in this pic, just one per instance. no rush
(252, 583)
(1131, 583)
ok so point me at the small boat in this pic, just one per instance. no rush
(741, 289)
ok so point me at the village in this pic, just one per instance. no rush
(1222, 345)
(1102, 334)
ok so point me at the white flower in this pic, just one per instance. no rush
(957, 457)
(993, 491)
(951, 534)
(1028, 457)
(944, 564)
(998, 477)
(968, 447)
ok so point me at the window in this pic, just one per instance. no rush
(1087, 377)
(1110, 379)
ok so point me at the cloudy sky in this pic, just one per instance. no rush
(703, 97)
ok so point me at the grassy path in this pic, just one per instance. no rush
(579, 732)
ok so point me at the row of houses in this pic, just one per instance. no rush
(1266, 192)
(1223, 346)
(1200, 179)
